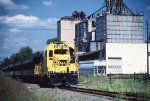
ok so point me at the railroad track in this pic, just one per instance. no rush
(127, 96)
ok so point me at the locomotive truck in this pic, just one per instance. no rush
(57, 65)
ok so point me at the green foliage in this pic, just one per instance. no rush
(12, 90)
(4, 62)
(51, 40)
(45, 95)
(23, 52)
(121, 85)
(15, 57)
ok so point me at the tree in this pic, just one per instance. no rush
(75, 14)
(24, 52)
(82, 15)
(4, 62)
(51, 40)
(15, 57)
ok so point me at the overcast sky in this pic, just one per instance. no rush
(19, 20)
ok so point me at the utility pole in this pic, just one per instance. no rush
(147, 50)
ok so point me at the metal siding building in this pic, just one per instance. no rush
(85, 31)
(120, 28)
(79, 32)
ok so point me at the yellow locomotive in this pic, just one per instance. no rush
(57, 65)
(60, 65)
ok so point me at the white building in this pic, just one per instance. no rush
(66, 29)
(123, 58)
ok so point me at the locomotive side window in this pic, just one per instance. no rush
(46, 53)
(50, 53)
(72, 55)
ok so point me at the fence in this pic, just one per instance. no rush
(135, 76)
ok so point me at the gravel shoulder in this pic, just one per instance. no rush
(55, 94)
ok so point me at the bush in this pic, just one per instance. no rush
(11, 90)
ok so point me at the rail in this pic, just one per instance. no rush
(126, 96)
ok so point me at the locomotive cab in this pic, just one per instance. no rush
(61, 64)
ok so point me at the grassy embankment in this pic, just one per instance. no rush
(138, 86)
(12, 90)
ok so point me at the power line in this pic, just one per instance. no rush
(55, 29)
(43, 29)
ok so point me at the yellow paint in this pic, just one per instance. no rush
(59, 60)
(37, 69)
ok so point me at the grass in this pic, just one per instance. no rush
(128, 85)
(11, 90)
(44, 96)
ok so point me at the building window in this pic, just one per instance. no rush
(93, 24)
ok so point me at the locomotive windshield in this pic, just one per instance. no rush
(61, 51)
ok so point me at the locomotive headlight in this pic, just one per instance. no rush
(58, 46)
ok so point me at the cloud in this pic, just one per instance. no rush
(22, 21)
(37, 41)
(13, 41)
(48, 23)
(14, 30)
(148, 7)
(10, 5)
(48, 3)
(52, 20)
(19, 20)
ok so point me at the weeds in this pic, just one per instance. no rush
(129, 85)
(11, 90)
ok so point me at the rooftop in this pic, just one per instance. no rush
(68, 18)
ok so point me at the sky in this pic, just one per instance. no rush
(32, 22)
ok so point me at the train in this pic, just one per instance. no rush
(56, 65)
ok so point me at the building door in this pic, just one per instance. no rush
(114, 65)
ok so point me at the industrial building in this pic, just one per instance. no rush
(66, 29)
(126, 58)
(113, 23)
(113, 37)
(85, 32)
